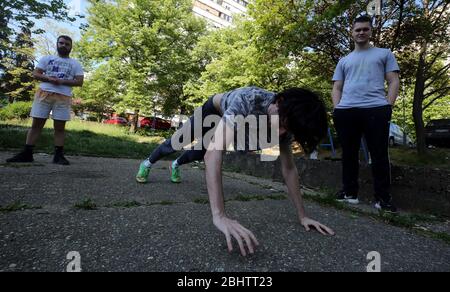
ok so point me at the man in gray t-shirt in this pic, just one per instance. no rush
(362, 109)
(301, 115)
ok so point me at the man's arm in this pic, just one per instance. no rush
(38, 74)
(77, 81)
(213, 160)
(393, 86)
(337, 92)
(291, 178)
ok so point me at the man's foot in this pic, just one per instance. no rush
(142, 175)
(385, 207)
(60, 159)
(21, 157)
(342, 196)
(174, 174)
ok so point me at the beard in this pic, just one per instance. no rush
(63, 51)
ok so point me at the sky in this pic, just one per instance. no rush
(76, 7)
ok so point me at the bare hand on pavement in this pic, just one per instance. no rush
(232, 229)
(307, 223)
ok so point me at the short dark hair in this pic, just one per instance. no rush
(68, 38)
(363, 19)
(304, 115)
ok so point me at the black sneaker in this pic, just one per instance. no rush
(342, 196)
(22, 157)
(60, 159)
(385, 207)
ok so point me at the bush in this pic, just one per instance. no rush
(16, 110)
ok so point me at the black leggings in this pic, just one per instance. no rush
(188, 155)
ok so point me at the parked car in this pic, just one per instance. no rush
(437, 133)
(154, 123)
(116, 121)
(396, 137)
(87, 117)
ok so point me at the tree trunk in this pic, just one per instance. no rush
(399, 25)
(134, 122)
(418, 101)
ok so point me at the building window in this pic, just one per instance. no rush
(224, 16)
(241, 2)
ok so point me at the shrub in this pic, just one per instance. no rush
(16, 110)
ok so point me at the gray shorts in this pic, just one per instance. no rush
(46, 102)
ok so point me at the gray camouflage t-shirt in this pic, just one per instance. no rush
(245, 102)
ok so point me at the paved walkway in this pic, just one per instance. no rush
(165, 227)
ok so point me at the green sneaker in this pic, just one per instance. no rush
(174, 174)
(142, 175)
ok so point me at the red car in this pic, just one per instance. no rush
(116, 121)
(154, 123)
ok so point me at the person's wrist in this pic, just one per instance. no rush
(301, 215)
(217, 214)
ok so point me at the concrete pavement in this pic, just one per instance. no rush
(162, 226)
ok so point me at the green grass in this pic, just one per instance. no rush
(126, 204)
(201, 201)
(82, 138)
(96, 139)
(435, 157)
(17, 206)
(164, 203)
(86, 204)
(404, 156)
(242, 198)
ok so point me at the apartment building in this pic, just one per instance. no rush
(219, 13)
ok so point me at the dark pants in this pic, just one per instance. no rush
(189, 155)
(373, 123)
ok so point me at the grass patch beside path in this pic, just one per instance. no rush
(17, 206)
(404, 156)
(82, 138)
(435, 157)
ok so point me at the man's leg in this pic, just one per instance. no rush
(35, 131)
(32, 136)
(349, 131)
(60, 132)
(60, 135)
(376, 131)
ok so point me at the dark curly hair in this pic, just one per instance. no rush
(303, 114)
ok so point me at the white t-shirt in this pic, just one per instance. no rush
(61, 68)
